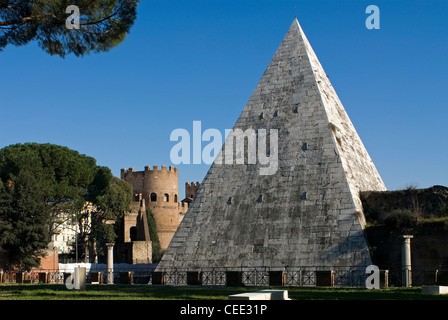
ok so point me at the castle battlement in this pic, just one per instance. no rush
(155, 168)
(191, 188)
(193, 184)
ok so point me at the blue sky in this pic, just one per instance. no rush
(201, 60)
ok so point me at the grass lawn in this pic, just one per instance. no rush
(147, 292)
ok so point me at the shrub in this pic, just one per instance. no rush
(400, 221)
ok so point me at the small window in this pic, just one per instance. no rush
(153, 197)
(166, 197)
(175, 198)
(133, 233)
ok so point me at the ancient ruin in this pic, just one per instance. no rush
(309, 212)
(158, 190)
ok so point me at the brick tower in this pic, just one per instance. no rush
(159, 190)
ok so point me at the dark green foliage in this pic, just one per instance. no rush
(443, 207)
(24, 218)
(63, 181)
(111, 201)
(114, 198)
(63, 174)
(103, 24)
(424, 203)
(401, 222)
(156, 248)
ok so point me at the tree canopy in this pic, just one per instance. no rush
(23, 221)
(103, 24)
(45, 180)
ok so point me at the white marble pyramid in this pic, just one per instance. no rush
(308, 213)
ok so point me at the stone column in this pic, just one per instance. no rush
(80, 280)
(406, 261)
(110, 263)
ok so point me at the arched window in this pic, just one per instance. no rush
(175, 198)
(166, 197)
(153, 197)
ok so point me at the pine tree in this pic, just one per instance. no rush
(103, 24)
(24, 217)
(46, 182)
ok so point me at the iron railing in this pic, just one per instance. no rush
(245, 276)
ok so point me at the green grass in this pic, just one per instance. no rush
(146, 292)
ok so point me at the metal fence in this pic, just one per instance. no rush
(244, 276)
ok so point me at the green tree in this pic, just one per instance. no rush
(401, 222)
(103, 24)
(152, 226)
(24, 217)
(111, 203)
(64, 176)
(70, 186)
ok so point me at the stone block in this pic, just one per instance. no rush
(277, 294)
(82, 276)
(141, 252)
(250, 296)
(261, 295)
(434, 289)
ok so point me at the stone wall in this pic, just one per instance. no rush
(428, 210)
(141, 252)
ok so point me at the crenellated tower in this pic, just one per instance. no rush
(191, 189)
(160, 190)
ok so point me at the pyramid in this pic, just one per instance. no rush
(307, 213)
